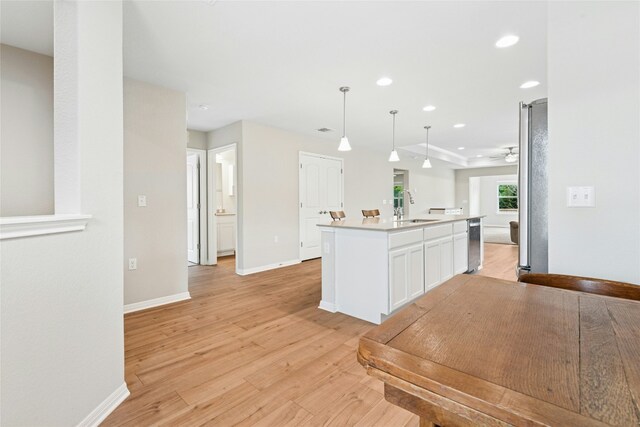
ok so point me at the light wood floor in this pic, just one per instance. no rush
(500, 261)
(254, 350)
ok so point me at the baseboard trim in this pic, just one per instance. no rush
(107, 406)
(247, 271)
(143, 305)
(328, 306)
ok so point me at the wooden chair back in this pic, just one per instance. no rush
(584, 284)
(370, 213)
(337, 215)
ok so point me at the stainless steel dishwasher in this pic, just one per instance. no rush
(474, 244)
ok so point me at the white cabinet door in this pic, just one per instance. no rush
(438, 261)
(226, 237)
(460, 253)
(398, 273)
(431, 263)
(416, 271)
(446, 258)
(405, 275)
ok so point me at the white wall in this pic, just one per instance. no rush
(268, 187)
(594, 137)
(431, 188)
(155, 166)
(196, 139)
(462, 181)
(489, 200)
(61, 304)
(26, 138)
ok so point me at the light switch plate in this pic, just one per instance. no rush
(142, 201)
(581, 197)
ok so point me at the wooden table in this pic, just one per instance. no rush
(483, 351)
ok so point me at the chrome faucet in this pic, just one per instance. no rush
(410, 197)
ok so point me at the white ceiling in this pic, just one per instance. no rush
(281, 63)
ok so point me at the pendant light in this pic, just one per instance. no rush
(394, 154)
(427, 164)
(344, 141)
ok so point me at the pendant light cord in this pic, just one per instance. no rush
(393, 133)
(344, 114)
(426, 155)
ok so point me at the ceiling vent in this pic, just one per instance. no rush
(324, 130)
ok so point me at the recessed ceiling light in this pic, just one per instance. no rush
(478, 155)
(460, 148)
(459, 125)
(203, 107)
(429, 108)
(384, 81)
(507, 41)
(529, 84)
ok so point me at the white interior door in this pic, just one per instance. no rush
(321, 184)
(193, 209)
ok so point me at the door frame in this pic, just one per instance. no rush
(202, 200)
(322, 156)
(212, 219)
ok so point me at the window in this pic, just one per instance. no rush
(507, 197)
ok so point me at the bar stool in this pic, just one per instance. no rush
(337, 215)
(370, 213)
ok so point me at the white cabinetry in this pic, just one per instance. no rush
(460, 247)
(444, 252)
(438, 261)
(406, 267)
(446, 259)
(226, 234)
(438, 254)
(405, 275)
(372, 271)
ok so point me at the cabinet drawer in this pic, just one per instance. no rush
(459, 227)
(438, 231)
(404, 238)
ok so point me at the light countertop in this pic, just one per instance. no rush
(391, 224)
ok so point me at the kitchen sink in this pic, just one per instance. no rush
(417, 220)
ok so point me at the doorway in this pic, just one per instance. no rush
(400, 193)
(223, 205)
(321, 189)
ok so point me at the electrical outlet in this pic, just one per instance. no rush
(142, 201)
(133, 263)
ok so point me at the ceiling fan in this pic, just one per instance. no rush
(510, 157)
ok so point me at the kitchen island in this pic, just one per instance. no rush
(371, 267)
